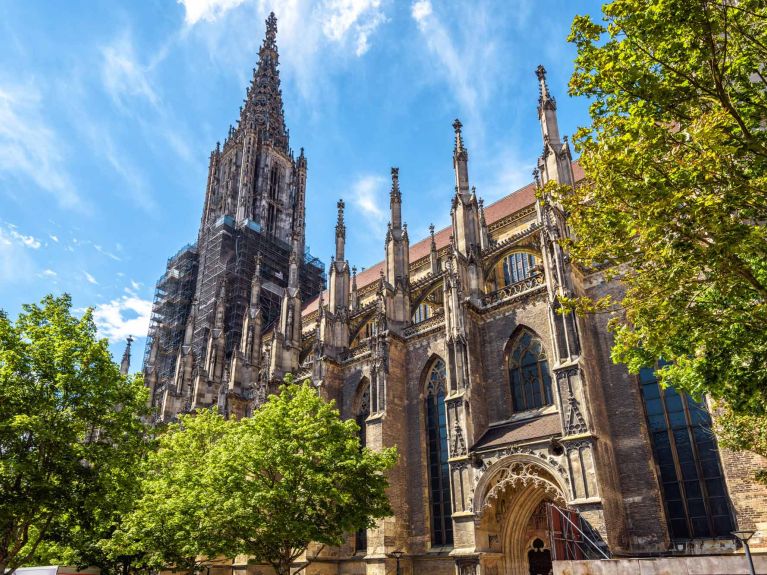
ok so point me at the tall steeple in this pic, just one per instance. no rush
(263, 106)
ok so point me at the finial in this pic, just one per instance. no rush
(543, 89)
(340, 205)
(271, 31)
(431, 230)
(258, 264)
(354, 270)
(458, 137)
(536, 177)
(395, 193)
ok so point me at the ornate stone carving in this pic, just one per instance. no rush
(518, 474)
(459, 445)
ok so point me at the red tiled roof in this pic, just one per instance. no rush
(544, 426)
(507, 205)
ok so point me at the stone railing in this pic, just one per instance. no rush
(417, 328)
(533, 283)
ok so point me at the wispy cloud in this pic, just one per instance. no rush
(368, 198)
(48, 273)
(469, 67)
(54, 237)
(123, 75)
(16, 265)
(30, 149)
(90, 278)
(28, 241)
(106, 253)
(121, 317)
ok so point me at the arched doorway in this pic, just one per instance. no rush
(510, 507)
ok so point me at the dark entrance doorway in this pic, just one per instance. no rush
(539, 559)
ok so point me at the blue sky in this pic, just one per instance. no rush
(109, 111)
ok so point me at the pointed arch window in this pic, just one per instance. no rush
(439, 469)
(516, 267)
(687, 458)
(363, 411)
(529, 373)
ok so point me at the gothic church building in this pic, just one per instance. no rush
(520, 441)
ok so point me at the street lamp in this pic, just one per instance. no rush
(743, 537)
(396, 555)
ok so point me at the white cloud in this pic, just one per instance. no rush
(119, 318)
(90, 278)
(48, 273)
(196, 10)
(30, 149)
(135, 285)
(123, 75)
(28, 241)
(355, 18)
(54, 238)
(368, 197)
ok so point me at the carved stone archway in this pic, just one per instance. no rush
(507, 496)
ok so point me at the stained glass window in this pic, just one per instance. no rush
(439, 469)
(517, 266)
(687, 457)
(529, 373)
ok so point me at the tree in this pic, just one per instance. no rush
(265, 486)
(674, 199)
(70, 433)
(179, 520)
(295, 474)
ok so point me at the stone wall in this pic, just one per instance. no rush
(710, 565)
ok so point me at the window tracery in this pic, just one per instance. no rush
(529, 373)
(439, 469)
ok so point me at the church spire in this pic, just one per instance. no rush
(125, 364)
(263, 107)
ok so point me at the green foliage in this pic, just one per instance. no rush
(264, 486)
(70, 436)
(674, 202)
(178, 520)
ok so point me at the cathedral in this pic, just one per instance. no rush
(521, 444)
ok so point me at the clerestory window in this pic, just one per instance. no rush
(516, 267)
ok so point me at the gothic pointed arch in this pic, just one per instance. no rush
(512, 266)
(529, 374)
(435, 416)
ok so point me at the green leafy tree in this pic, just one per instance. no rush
(70, 435)
(295, 474)
(265, 486)
(675, 198)
(179, 519)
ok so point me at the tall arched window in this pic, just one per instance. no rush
(439, 469)
(687, 456)
(529, 373)
(516, 266)
(363, 411)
